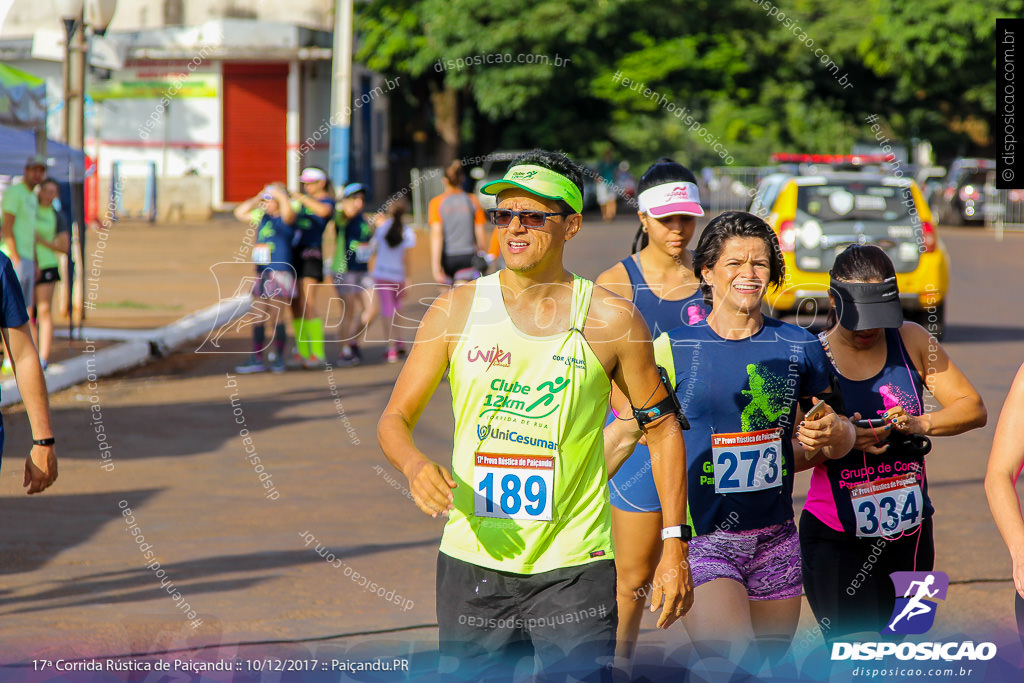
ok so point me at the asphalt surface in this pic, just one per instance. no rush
(243, 557)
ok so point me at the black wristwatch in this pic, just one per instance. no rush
(48, 441)
(681, 531)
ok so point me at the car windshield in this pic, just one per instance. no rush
(854, 201)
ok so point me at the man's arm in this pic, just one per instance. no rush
(430, 483)
(41, 464)
(637, 376)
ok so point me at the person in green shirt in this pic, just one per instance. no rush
(19, 207)
(525, 563)
(51, 239)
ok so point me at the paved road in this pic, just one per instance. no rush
(74, 581)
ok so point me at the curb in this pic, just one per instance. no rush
(137, 348)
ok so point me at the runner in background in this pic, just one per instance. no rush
(606, 197)
(871, 507)
(743, 380)
(275, 284)
(315, 212)
(390, 270)
(1004, 467)
(456, 228)
(352, 252)
(51, 239)
(658, 278)
(20, 206)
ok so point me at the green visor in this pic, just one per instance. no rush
(540, 181)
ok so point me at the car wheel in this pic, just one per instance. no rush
(933, 319)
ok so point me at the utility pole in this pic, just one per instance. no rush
(341, 93)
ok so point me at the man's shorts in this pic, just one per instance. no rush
(275, 284)
(565, 618)
(309, 263)
(26, 272)
(48, 275)
(766, 561)
(453, 264)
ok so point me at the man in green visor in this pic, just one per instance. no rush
(525, 564)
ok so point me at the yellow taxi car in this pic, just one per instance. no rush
(817, 216)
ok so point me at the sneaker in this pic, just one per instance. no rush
(313, 363)
(277, 365)
(296, 362)
(350, 355)
(253, 364)
(391, 356)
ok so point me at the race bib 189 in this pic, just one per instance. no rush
(514, 486)
(887, 507)
(261, 254)
(747, 461)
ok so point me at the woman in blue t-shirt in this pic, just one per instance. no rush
(275, 274)
(742, 380)
(658, 278)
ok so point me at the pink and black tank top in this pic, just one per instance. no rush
(869, 495)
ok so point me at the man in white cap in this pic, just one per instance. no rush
(19, 207)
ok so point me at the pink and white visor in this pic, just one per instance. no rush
(671, 199)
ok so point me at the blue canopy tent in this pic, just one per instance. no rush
(18, 145)
(64, 165)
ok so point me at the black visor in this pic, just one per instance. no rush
(868, 305)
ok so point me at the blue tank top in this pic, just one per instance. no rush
(663, 315)
(873, 495)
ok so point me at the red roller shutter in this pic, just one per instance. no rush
(255, 127)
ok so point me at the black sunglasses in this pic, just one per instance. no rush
(502, 218)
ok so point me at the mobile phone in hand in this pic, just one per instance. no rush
(815, 412)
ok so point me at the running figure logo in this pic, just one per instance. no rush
(762, 386)
(914, 612)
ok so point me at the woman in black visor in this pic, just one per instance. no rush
(868, 513)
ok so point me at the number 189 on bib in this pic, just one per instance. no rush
(514, 486)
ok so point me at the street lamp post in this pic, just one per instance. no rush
(78, 16)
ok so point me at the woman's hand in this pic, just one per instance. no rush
(870, 439)
(908, 424)
(831, 431)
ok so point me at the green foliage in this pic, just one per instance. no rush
(745, 76)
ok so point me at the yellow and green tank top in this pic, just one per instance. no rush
(532, 491)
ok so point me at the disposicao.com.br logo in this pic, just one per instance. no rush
(914, 613)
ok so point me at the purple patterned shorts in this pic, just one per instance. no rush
(766, 561)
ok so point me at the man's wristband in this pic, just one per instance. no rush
(680, 531)
(48, 441)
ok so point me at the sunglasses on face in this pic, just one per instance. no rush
(502, 218)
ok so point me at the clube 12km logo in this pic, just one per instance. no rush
(914, 614)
